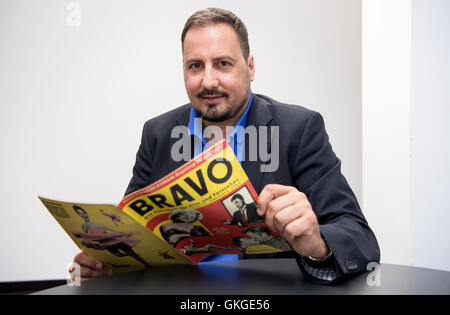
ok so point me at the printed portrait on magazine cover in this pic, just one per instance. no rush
(101, 237)
(258, 239)
(183, 225)
(192, 249)
(242, 209)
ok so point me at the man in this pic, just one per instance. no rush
(306, 199)
(245, 215)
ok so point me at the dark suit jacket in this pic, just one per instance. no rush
(251, 214)
(307, 162)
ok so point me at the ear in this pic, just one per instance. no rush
(251, 67)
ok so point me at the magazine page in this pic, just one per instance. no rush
(205, 207)
(106, 233)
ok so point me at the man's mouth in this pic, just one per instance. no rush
(211, 99)
(211, 96)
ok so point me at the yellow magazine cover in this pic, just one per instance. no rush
(108, 234)
(206, 207)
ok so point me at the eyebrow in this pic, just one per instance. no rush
(194, 60)
(224, 58)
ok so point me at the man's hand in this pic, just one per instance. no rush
(90, 267)
(288, 212)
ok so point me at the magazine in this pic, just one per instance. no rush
(205, 207)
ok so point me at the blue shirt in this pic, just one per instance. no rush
(235, 139)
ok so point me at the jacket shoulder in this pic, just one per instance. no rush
(161, 122)
(286, 114)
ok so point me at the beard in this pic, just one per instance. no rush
(220, 112)
(213, 113)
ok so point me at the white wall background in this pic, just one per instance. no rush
(74, 99)
(430, 133)
(386, 124)
(406, 133)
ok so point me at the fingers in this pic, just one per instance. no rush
(90, 267)
(281, 205)
(90, 273)
(289, 212)
(86, 261)
(304, 236)
(282, 218)
(87, 273)
(297, 228)
(269, 193)
(276, 220)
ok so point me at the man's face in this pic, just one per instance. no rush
(216, 75)
(238, 203)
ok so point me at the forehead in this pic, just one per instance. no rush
(210, 41)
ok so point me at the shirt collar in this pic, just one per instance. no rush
(194, 126)
(240, 126)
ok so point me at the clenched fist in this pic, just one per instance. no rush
(288, 212)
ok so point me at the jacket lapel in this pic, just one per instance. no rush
(181, 120)
(258, 116)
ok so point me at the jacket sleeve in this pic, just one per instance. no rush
(317, 173)
(142, 169)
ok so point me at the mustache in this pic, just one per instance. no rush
(211, 93)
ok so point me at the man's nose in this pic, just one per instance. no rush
(210, 80)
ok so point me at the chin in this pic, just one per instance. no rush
(214, 115)
(215, 118)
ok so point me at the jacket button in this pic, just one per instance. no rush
(351, 264)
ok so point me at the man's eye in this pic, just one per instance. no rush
(195, 66)
(224, 63)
